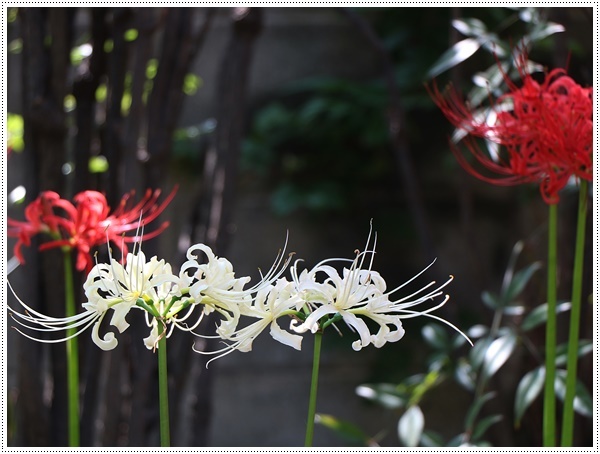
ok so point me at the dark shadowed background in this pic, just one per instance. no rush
(312, 121)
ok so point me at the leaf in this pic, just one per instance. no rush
(410, 426)
(491, 300)
(384, 394)
(539, 315)
(514, 311)
(436, 336)
(495, 46)
(345, 429)
(477, 353)
(457, 440)
(583, 403)
(464, 376)
(528, 389)
(471, 27)
(477, 331)
(455, 55)
(497, 354)
(476, 408)
(97, 164)
(487, 80)
(483, 425)
(584, 347)
(437, 361)
(431, 439)
(541, 31)
(519, 281)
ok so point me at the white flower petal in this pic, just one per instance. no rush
(280, 335)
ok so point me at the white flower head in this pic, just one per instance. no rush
(109, 286)
(213, 284)
(120, 288)
(270, 303)
(358, 293)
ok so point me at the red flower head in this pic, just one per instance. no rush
(546, 132)
(87, 223)
(39, 216)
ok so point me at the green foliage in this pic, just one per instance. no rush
(98, 164)
(320, 151)
(14, 128)
(472, 369)
(539, 315)
(346, 430)
(410, 426)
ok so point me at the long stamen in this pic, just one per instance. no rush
(54, 341)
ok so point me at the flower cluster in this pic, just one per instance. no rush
(86, 223)
(545, 128)
(312, 300)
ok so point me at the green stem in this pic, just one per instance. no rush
(568, 414)
(163, 389)
(72, 355)
(549, 423)
(312, 401)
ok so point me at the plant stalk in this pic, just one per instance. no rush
(549, 421)
(568, 411)
(312, 401)
(163, 388)
(72, 355)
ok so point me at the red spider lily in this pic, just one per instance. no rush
(547, 133)
(87, 223)
(40, 218)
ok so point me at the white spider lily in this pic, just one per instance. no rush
(117, 287)
(108, 286)
(36, 321)
(270, 303)
(214, 285)
(361, 292)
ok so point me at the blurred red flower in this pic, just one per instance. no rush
(87, 223)
(546, 130)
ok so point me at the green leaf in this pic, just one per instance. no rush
(431, 439)
(477, 331)
(539, 315)
(514, 311)
(519, 281)
(436, 336)
(477, 353)
(455, 55)
(528, 389)
(191, 84)
(437, 361)
(497, 354)
(471, 27)
(464, 375)
(345, 429)
(410, 426)
(101, 93)
(476, 408)
(483, 425)
(583, 403)
(486, 82)
(543, 30)
(97, 164)
(130, 35)
(151, 68)
(584, 347)
(385, 394)
(491, 300)
(15, 128)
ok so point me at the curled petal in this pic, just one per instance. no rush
(108, 342)
(289, 339)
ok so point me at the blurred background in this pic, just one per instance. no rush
(312, 121)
